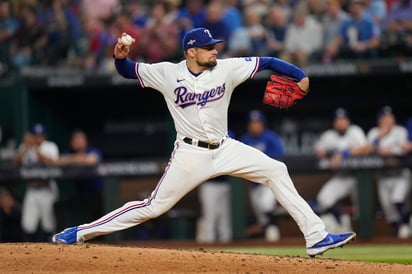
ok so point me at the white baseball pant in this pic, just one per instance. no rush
(216, 218)
(38, 208)
(392, 190)
(189, 166)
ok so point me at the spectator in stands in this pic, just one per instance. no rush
(136, 11)
(88, 192)
(276, 24)
(250, 39)
(63, 32)
(390, 3)
(335, 144)
(122, 23)
(215, 24)
(160, 38)
(102, 10)
(332, 21)
(316, 9)
(303, 40)
(8, 27)
(232, 15)
(29, 43)
(259, 6)
(388, 139)
(10, 217)
(287, 6)
(191, 15)
(18, 6)
(398, 38)
(377, 11)
(40, 195)
(263, 201)
(96, 38)
(172, 10)
(358, 37)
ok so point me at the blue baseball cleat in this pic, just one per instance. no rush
(331, 241)
(67, 236)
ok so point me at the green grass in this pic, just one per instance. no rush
(401, 254)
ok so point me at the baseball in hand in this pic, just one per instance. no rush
(127, 40)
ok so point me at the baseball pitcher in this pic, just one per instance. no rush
(197, 92)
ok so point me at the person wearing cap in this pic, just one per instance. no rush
(262, 200)
(389, 139)
(38, 219)
(197, 92)
(343, 140)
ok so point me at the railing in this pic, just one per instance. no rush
(296, 164)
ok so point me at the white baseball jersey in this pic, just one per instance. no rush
(397, 137)
(393, 185)
(331, 140)
(342, 183)
(189, 97)
(46, 148)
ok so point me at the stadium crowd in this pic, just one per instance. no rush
(81, 33)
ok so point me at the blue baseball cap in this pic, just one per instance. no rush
(256, 115)
(38, 129)
(340, 113)
(198, 37)
(383, 111)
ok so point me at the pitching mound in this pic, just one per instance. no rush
(94, 258)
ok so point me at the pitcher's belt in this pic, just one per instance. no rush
(208, 145)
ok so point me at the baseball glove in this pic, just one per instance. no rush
(282, 92)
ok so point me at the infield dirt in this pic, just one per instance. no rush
(99, 258)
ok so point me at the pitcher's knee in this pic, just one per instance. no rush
(157, 210)
(279, 167)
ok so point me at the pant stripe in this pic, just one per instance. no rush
(144, 203)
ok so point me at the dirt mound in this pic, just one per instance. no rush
(97, 258)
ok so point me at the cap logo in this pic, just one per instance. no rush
(208, 33)
(191, 42)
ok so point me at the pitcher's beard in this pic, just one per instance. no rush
(209, 64)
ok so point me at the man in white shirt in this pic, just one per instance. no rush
(40, 194)
(334, 145)
(388, 139)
